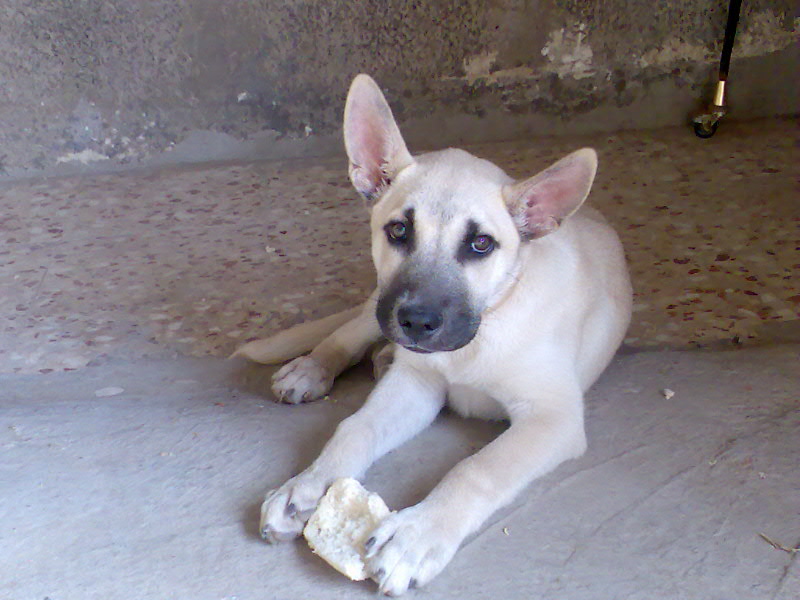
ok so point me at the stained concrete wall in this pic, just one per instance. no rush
(110, 83)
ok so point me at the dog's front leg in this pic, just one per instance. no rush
(401, 405)
(410, 547)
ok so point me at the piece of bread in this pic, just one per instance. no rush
(343, 521)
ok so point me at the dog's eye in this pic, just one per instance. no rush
(482, 244)
(396, 231)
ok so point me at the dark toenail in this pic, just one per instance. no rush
(291, 509)
(413, 584)
(369, 543)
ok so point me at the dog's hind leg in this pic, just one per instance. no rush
(310, 377)
(297, 340)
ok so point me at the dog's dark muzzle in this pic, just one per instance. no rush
(425, 320)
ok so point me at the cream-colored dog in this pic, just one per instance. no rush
(501, 300)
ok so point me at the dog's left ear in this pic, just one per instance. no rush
(374, 145)
(540, 204)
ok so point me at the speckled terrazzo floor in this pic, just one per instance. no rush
(198, 260)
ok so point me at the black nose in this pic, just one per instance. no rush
(418, 322)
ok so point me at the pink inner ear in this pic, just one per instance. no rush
(374, 145)
(538, 220)
(366, 146)
(553, 195)
(370, 148)
(370, 139)
(548, 198)
(547, 203)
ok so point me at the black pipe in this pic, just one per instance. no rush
(730, 34)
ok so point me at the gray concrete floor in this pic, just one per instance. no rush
(133, 457)
(154, 493)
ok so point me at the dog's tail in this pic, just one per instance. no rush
(297, 340)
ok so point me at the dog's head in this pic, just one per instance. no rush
(447, 227)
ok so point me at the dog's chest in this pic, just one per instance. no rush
(468, 401)
(467, 391)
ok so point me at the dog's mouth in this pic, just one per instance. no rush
(419, 349)
(446, 340)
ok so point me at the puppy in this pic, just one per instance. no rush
(501, 299)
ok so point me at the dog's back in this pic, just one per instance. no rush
(604, 275)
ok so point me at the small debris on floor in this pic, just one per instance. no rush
(107, 392)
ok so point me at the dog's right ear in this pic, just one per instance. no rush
(374, 145)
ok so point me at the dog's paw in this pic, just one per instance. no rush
(301, 380)
(409, 548)
(285, 510)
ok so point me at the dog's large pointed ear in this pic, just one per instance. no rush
(540, 204)
(374, 145)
